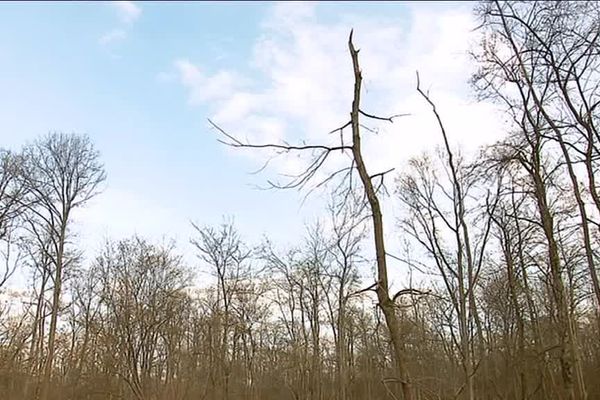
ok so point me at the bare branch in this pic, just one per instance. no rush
(388, 119)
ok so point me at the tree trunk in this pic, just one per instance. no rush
(382, 290)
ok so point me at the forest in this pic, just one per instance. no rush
(507, 240)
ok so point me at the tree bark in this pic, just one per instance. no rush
(382, 289)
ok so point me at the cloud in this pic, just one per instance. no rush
(116, 35)
(127, 11)
(204, 88)
(304, 88)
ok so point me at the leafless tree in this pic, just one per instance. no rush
(141, 291)
(550, 51)
(371, 183)
(225, 253)
(12, 193)
(61, 173)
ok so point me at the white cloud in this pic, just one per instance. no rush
(203, 87)
(306, 80)
(305, 84)
(116, 35)
(127, 11)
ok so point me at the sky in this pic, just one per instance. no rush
(141, 79)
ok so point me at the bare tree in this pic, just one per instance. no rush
(227, 256)
(371, 183)
(141, 291)
(12, 193)
(552, 51)
(540, 60)
(348, 232)
(505, 244)
(62, 172)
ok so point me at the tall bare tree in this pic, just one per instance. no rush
(550, 50)
(61, 172)
(224, 252)
(371, 184)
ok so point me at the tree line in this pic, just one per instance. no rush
(505, 243)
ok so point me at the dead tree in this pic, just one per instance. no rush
(371, 186)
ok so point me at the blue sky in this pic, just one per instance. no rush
(141, 79)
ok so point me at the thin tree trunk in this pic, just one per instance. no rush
(54, 314)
